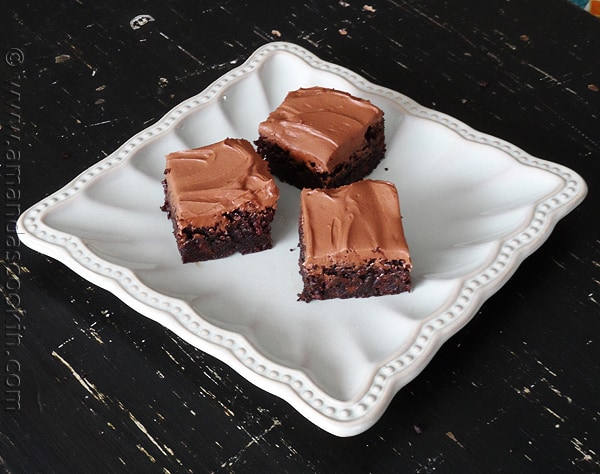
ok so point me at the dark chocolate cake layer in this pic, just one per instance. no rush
(372, 278)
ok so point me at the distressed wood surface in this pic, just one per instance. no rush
(89, 385)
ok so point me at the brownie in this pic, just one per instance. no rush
(221, 199)
(352, 242)
(322, 138)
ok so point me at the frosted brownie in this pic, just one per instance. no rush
(322, 138)
(352, 242)
(221, 199)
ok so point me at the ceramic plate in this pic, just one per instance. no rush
(473, 206)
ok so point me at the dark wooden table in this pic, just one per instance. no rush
(89, 385)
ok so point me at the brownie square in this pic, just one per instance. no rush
(221, 199)
(322, 138)
(352, 242)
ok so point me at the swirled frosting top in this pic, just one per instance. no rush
(204, 183)
(352, 223)
(320, 126)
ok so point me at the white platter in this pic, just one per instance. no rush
(473, 206)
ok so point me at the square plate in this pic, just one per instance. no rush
(474, 207)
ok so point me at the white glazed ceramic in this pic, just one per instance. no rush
(473, 206)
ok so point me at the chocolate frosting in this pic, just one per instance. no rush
(320, 126)
(352, 223)
(204, 183)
